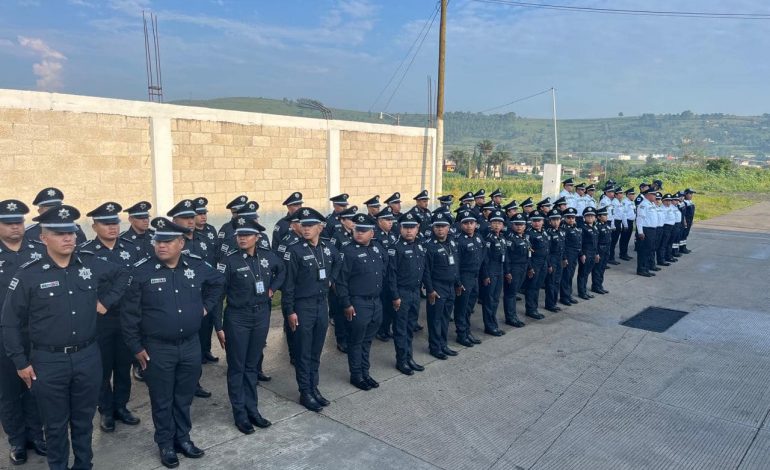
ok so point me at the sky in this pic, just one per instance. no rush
(344, 52)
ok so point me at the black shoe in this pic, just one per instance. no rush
(107, 423)
(259, 421)
(573, 301)
(208, 357)
(201, 392)
(643, 274)
(605, 290)
(245, 427)
(518, 297)
(361, 383)
(404, 368)
(597, 290)
(494, 332)
(372, 383)
(126, 417)
(320, 398)
(553, 309)
(138, 373)
(516, 323)
(672, 260)
(613, 262)
(262, 377)
(439, 355)
(535, 315)
(664, 263)
(449, 352)
(653, 274)
(473, 339)
(342, 349)
(654, 268)
(565, 302)
(39, 446)
(414, 366)
(308, 401)
(418, 327)
(189, 450)
(382, 337)
(18, 455)
(465, 341)
(607, 267)
(626, 258)
(590, 296)
(584, 296)
(168, 458)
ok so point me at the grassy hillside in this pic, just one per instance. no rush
(684, 133)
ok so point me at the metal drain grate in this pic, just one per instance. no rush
(655, 319)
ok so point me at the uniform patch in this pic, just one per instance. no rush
(221, 235)
(281, 248)
(85, 273)
(46, 285)
(265, 263)
(221, 267)
(157, 280)
(13, 284)
(307, 257)
(245, 268)
(362, 255)
(189, 273)
(287, 256)
(392, 252)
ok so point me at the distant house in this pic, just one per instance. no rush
(569, 172)
(641, 157)
(624, 158)
(450, 166)
(518, 168)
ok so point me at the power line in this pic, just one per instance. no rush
(616, 11)
(516, 101)
(406, 56)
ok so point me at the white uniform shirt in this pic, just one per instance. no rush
(571, 198)
(580, 204)
(643, 216)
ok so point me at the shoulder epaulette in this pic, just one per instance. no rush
(140, 262)
(85, 243)
(127, 240)
(231, 252)
(29, 263)
(193, 256)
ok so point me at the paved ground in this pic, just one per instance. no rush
(575, 390)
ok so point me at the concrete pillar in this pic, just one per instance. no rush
(551, 180)
(333, 163)
(162, 168)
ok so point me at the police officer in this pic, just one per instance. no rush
(116, 358)
(444, 201)
(394, 202)
(46, 199)
(510, 210)
(557, 260)
(646, 227)
(226, 234)
(568, 192)
(516, 268)
(581, 200)
(689, 217)
(442, 283)
(470, 255)
(342, 237)
(292, 237)
(293, 203)
(527, 206)
(496, 198)
(589, 252)
(18, 409)
(538, 268)
(373, 205)
(422, 212)
(386, 238)
(201, 221)
(405, 271)
(590, 200)
(59, 297)
(478, 199)
(492, 272)
(359, 285)
(311, 267)
(573, 245)
(466, 200)
(339, 203)
(603, 246)
(628, 209)
(252, 274)
(170, 293)
(139, 232)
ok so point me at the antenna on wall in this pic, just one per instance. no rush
(152, 59)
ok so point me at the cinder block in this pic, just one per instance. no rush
(261, 141)
(111, 120)
(211, 126)
(189, 125)
(223, 163)
(199, 138)
(30, 131)
(138, 123)
(14, 115)
(222, 139)
(211, 150)
(15, 147)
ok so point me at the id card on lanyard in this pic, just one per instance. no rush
(259, 284)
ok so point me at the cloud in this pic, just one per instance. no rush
(50, 67)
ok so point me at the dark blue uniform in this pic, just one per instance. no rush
(116, 358)
(385, 240)
(289, 239)
(18, 409)
(332, 225)
(493, 269)
(142, 242)
(516, 264)
(590, 246)
(310, 271)
(405, 271)
(557, 254)
(573, 245)
(470, 254)
(33, 233)
(249, 283)
(201, 246)
(340, 239)
(442, 277)
(59, 307)
(604, 246)
(281, 229)
(162, 314)
(540, 244)
(359, 284)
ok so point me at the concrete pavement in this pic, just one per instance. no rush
(576, 390)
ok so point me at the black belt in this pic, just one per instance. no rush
(366, 297)
(172, 342)
(63, 349)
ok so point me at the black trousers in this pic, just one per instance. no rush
(511, 290)
(584, 269)
(465, 302)
(664, 241)
(439, 314)
(618, 224)
(597, 273)
(567, 275)
(171, 376)
(66, 391)
(532, 285)
(18, 409)
(405, 320)
(388, 316)
(645, 250)
(309, 340)
(553, 283)
(116, 366)
(341, 326)
(245, 338)
(491, 300)
(207, 327)
(625, 238)
(362, 327)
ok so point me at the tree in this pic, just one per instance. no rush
(620, 114)
(485, 150)
(496, 161)
(719, 165)
(461, 159)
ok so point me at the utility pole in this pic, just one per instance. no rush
(555, 135)
(439, 164)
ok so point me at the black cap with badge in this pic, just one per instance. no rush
(408, 220)
(513, 205)
(166, 230)
(340, 199)
(107, 213)
(200, 204)
(49, 197)
(496, 193)
(59, 219)
(310, 216)
(440, 218)
(467, 197)
(394, 198)
(140, 210)
(184, 208)
(348, 212)
(536, 215)
(246, 226)
(12, 211)
(385, 214)
(293, 199)
(423, 195)
(527, 202)
(569, 212)
(237, 203)
(373, 202)
(248, 210)
(496, 215)
(364, 222)
(519, 219)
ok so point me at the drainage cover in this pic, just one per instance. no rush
(655, 319)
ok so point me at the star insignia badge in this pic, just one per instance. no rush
(143, 206)
(211, 235)
(64, 213)
(264, 263)
(124, 255)
(36, 256)
(327, 251)
(51, 192)
(189, 273)
(110, 207)
(11, 206)
(241, 221)
(306, 212)
(187, 203)
(161, 223)
(85, 273)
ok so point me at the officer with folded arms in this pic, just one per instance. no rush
(169, 295)
(59, 297)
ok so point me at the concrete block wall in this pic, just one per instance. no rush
(98, 149)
